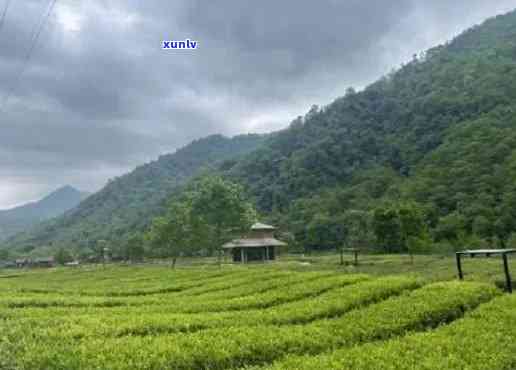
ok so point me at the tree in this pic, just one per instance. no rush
(450, 227)
(219, 211)
(324, 231)
(171, 234)
(387, 228)
(481, 227)
(397, 226)
(28, 248)
(133, 248)
(84, 254)
(424, 243)
(358, 226)
(100, 250)
(356, 231)
(211, 212)
(412, 226)
(4, 254)
(63, 256)
(511, 241)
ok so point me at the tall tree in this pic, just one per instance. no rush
(412, 226)
(219, 211)
(133, 249)
(387, 228)
(171, 234)
(211, 212)
(63, 256)
(357, 233)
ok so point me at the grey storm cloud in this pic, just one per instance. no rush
(99, 95)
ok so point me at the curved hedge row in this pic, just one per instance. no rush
(330, 304)
(310, 285)
(483, 339)
(227, 347)
(111, 281)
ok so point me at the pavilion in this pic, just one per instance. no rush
(258, 245)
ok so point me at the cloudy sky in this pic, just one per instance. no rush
(99, 95)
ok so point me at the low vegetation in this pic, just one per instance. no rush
(483, 339)
(230, 317)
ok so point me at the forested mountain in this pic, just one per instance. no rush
(437, 136)
(393, 123)
(128, 203)
(21, 218)
(440, 131)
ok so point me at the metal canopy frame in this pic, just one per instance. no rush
(487, 253)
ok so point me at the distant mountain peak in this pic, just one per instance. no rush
(21, 218)
(66, 188)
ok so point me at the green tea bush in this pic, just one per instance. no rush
(330, 304)
(483, 339)
(227, 347)
(311, 285)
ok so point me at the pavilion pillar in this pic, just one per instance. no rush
(242, 255)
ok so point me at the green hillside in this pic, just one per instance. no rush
(439, 131)
(128, 203)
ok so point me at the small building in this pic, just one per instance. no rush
(258, 245)
(44, 262)
(22, 262)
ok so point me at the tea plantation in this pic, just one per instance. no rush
(254, 317)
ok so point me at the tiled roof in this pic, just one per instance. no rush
(44, 259)
(253, 243)
(260, 226)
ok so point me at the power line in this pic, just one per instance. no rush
(34, 39)
(4, 13)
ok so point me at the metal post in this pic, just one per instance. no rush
(459, 267)
(356, 257)
(507, 274)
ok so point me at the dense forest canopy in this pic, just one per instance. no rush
(434, 139)
(438, 132)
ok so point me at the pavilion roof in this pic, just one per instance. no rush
(253, 243)
(260, 226)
